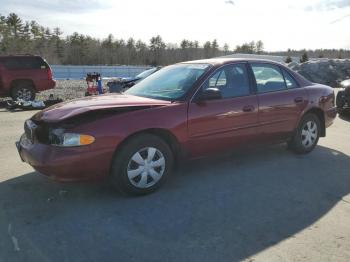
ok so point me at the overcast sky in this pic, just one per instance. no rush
(280, 24)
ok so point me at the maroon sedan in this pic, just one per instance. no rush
(189, 109)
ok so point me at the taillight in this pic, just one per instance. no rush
(49, 73)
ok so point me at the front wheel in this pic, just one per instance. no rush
(141, 165)
(307, 134)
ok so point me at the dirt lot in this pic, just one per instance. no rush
(265, 204)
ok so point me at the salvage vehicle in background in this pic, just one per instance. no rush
(130, 81)
(121, 84)
(343, 97)
(22, 76)
(187, 110)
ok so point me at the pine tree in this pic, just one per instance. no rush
(226, 48)
(157, 47)
(304, 58)
(15, 24)
(207, 48)
(259, 46)
(18, 37)
(288, 60)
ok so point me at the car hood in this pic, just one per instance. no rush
(65, 110)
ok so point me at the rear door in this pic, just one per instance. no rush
(281, 101)
(221, 124)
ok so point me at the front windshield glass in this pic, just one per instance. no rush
(169, 83)
(146, 73)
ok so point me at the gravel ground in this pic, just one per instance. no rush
(65, 89)
(266, 204)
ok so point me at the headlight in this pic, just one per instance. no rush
(71, 139)
(59, 138)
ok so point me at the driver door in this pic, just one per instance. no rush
(221, 124)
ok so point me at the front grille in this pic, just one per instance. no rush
(36, 132)
(42, 134)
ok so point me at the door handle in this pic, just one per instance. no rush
(248, 108)
(298, 100)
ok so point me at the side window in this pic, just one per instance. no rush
(290, 82)
(20, 63)
(11, 63)
(231, 80)
(32, 63)
(268, 78)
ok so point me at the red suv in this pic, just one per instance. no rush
(189, 110)
(22, 76)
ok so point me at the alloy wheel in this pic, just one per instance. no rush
(24, 94)
(146, 167)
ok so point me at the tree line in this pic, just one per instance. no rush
(29, 37)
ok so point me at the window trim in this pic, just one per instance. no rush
(280, 68)
(290, 75)
(250, 80)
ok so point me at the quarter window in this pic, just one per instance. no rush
(218, 80)
(22, 63)
(231, 80)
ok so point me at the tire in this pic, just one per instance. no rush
(132, 161)
(23, 90)
(307, 134)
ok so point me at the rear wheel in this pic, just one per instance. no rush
(24, 91)
(142, 165)
(307, 134)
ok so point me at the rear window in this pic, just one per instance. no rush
(20, 63)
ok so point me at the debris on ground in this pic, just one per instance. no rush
(31, 105)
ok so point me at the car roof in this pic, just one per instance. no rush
(217, 62)
(222, 60)
(18, 56)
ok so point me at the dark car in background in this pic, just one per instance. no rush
(343, 97)
(187, 110)
(22, 76)
(130, 81)
(121, 84)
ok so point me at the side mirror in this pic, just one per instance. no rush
(210, 94)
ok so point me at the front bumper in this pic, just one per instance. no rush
(65, 164)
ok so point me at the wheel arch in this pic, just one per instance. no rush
(15, 82)
(320, 114)
(166, 135)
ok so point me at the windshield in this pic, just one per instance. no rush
(169, 83)
(146, 73)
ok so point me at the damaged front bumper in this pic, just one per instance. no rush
(64, 164)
